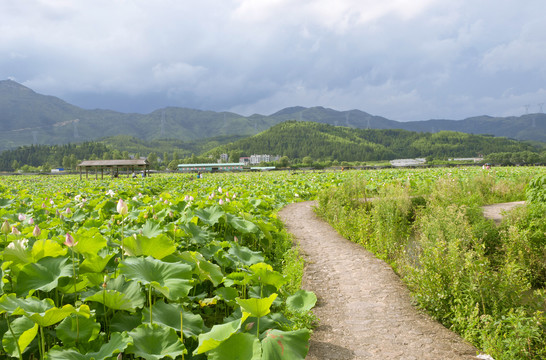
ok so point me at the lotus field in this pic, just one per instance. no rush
(164, 266)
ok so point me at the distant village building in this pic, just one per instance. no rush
(224, 158)
(245, 160)
(256, 159)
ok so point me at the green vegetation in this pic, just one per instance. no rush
(152, 267)
(485, 282)
(299, 140)
(30, 118)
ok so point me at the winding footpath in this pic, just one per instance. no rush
(365, 310)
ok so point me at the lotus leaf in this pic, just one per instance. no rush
(240, 346)
(118, 343)
(171, 279)
(43, 275)
(264, 274)
(153, 342)
(257, 307)
(244, 255)
(77, 328)
(279, 345)
(25, 331)
(211, 215)
(218, 334)
(301, 301)
(47, 248)
(204, 269)
(158, 247)
(169, 315)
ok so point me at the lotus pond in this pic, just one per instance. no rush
(164, 266)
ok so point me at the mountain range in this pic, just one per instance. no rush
(27, 117)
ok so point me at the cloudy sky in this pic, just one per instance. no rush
(405, 60)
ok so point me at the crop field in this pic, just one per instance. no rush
(170, 266)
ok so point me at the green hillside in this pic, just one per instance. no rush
(29, 118)
(297, 139)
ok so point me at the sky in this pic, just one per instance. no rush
(404, 60)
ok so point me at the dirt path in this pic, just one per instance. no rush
(495, 212)
(365, 311)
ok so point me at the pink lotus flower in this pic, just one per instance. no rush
(68, 211)
(69, 240)
(221, 202)
(22, 217)
(15, 231)
(122, 207)
(36, 232)
(31, 221)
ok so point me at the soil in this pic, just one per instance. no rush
(364, 309)
(495, 212)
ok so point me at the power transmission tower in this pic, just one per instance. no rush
(527, 109)
(540, 107)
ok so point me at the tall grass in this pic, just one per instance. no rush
(484, 282)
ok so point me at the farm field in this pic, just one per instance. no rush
(169, 266)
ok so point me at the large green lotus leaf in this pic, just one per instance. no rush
(153, 342)
(44, 248)
(157, 247)
(237, 278)
(78, 216)
(25, 331)
(89, 241)
(120, 295)
(14, 305)
(211, 215)
(171, 279)
(218, 334)
(124, 321)
(117, 344)
(54, 315)
(244, 255)
(240, 346)
(264, 274)
(280, 345)
(227, 293)
(257, 307)
(95, 263)
(169, 315)
(204, 269)
(199, 235)
(152, 229)
(301, 301)
(241, 225)
(113, 299)
(81, 285)
(6, 202)
(77, 328)
(18, 252)
(93, 223)
(43, 275)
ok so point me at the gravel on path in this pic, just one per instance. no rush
(364, 310)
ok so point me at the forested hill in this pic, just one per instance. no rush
(29, 118)
(297, 139)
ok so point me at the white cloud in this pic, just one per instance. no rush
(407, 60)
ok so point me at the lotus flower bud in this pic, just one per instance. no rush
(36, 232)
(6, 228)
(221, 202)
(68, 211)
(69, 240)
(122, 207)
(15, 231)
(31, 221)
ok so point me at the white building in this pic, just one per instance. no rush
(256, 159)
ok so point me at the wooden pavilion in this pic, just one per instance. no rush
(130, 166)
